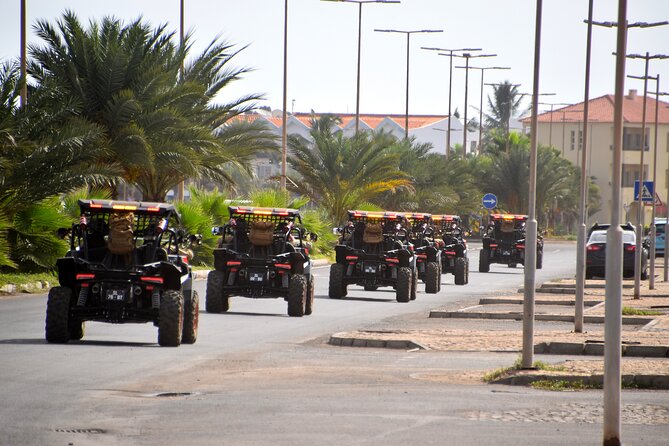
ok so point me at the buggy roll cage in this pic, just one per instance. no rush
(355, 218)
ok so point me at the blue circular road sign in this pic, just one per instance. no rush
(489, 201)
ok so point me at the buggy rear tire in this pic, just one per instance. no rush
(414, 284)
(404, 284)
(215, 301)
(76, 329)
(171, 318)
(297, 294)
(461, 271)
(336, 289)
(484, 261)
(540, 259)
(432, 278)
(191, 318)
(309, 303)
(57, 315)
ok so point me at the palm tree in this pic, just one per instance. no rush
(503, 107)
(339, 173)
(160, 127)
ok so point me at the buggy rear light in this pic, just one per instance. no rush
(493, 245)
(158, 280)
(393, 260)
(233, 263)
(96, 206)
(85, 276)
(630, 248)
(153, 209)
(449, 253)
(184, 259)
(283, 265)
(520, 246)
(593, 248)
(422, 256)
(351, 257)
(124, 207)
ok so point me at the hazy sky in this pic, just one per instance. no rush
(322, 44)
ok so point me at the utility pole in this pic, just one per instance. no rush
(450, 56)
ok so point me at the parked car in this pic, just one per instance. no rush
(660, 234)
(595, 265)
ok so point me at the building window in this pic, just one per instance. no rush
(573, 139)
(631, 174)
(632, 138)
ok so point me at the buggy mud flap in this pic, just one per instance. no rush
(231, 278)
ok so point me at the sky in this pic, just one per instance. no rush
(323, 36)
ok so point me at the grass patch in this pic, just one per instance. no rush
(629, 311)
(562, 385)
(25, 278)
(518, 365)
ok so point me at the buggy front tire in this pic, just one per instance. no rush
(297, 294)
(171, 318)
(432, 278)
(191, 318)
(57, 315)
(404, 284)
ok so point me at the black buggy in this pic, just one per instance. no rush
(374, 251)
(126, 263)
(453, 246)
(504, 242)
(263, 253)
(428, 259)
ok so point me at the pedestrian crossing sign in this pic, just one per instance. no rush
(647, 193)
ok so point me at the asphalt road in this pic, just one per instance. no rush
(258, 377)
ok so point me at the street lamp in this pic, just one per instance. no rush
(408, 34)
(483, 69)
(550, 126)
(468, 56)
(181, 187)
(24, 71)
(450, 85)
(640, 213)
(357, 94)
(531, 245)
(284, 117)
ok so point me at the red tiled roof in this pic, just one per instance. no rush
(373, 121)
(601, 110)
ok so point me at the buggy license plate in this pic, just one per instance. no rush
(256, 277)
(506, 252)
(116, 295)
(371, 269)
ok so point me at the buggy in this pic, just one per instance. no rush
(374, 251)
(453, 246)
(428, 259)
(126, 263)
(504, 242)
(263, 253)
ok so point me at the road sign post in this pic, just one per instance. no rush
(489, 201)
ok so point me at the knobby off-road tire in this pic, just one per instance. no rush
(404, 284)
(432, 278)
(336, 289)
(460, 271)
(414, 285)
(171, 318)
(215, 301)
(484, 261)
(540, 259)
(191, 319)
(297, 294)
(309, 303)
(76, 329)
(57, 315)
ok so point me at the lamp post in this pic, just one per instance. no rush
(450, 85)
(531, 245)
(181, 187)
(468, 56)
(550, 126)
(408, 34)
(284, 117)
(24, 71)
(357, 94)
(638, 257)
(483, 69)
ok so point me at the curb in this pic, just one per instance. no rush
(494, 301)
(641, 381)
(597, 349)
(342, 341)
(627, 320)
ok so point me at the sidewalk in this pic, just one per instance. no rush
(495, 325)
